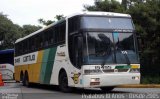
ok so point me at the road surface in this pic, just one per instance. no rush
(17, 91)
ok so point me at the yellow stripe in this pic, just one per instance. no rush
(36, 68)
(135, 66)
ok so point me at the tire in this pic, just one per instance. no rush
(21, 77)
(25, 81)
(107, 89)
(63, 83)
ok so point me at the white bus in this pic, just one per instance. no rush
(7, 64)
(84, 50)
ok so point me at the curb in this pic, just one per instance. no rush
(140, 86)
(9, 81)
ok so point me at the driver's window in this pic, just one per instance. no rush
(75, 50)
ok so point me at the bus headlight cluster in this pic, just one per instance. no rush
(92, 71)
(134, 70)
(95, 81)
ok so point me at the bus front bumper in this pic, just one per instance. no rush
(103, 80)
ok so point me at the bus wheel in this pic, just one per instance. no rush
(107, 89)
(63, 82)
(25, 80)
(21, 77)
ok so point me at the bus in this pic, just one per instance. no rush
(83, 50)
(7, 64)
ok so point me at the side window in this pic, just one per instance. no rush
(73, 24)
(40, 41)
(75, 50)
(56, 34)
(17, 49)
(45, 38)
(36, 42)
(71, 49)
(50, 36)
(25, 47)
(32, 44)
(20, 47)
(62, 29)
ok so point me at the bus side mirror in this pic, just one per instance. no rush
(80, 50)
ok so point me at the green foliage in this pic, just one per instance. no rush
(27, 29)
(105, 5)
(10, 32)
(48, 22)
(150, 79)
(146, 17)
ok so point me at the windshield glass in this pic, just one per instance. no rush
(109, 48)
(93, 22)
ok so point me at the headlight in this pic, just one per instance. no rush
(134, 70)
(92, 71)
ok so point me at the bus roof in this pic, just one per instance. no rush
(6, 51)
(99, 13)
(96, 13)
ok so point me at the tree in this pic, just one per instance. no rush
(146, 17)
(48, 22)
(27, 29)
(9, 32)
(105, 5)
(44, 22)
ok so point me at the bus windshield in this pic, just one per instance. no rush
(109, 48)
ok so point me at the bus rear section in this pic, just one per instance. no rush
(7, 64)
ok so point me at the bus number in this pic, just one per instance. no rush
(105, 67)
(97, 67)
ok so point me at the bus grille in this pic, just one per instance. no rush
(114, 70)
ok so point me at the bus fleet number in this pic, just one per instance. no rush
(102, 67)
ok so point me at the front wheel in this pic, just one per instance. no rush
(107, 89)
(63, 83)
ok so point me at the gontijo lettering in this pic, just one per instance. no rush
(29, 58)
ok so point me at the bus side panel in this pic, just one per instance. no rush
(18, 70)
(61, 62)
(38, 66)
(17, 73)
(34, 69)
(30, 72)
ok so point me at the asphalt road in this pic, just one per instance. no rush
(17, 91)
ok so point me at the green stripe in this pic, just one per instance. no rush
(123, 67)
(49, 66)
(44, 64)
